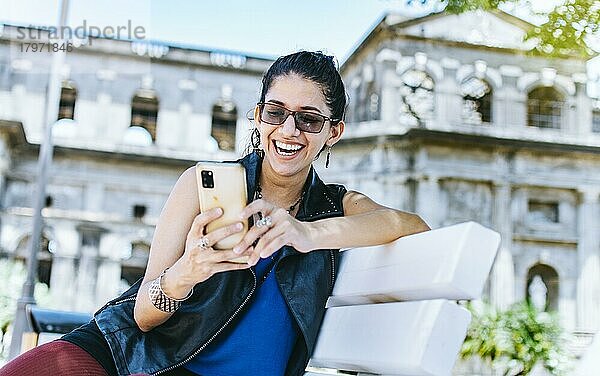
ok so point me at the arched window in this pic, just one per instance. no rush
(144, 111)
(596, 117)
(544, 107)
(416, 96)
(477, 100)
(224, 119)
(44, 256)
(542, 287)
(133, 266)
(369, 103)
(68, 97)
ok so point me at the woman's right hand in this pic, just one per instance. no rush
(198, 264)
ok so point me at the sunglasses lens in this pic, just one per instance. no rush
(273, 114)
(308, 122)
(305, 121)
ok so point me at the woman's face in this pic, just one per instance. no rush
(287, 149)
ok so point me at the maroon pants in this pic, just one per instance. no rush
(54, 359)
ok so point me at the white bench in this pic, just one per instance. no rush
(393, 310)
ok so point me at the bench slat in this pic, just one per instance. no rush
(448, 263)
(402, 338)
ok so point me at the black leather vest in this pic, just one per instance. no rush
(305, 279)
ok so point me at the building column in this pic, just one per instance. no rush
(427, 191)
(502, 277)
(389, 101)
(63, 277)
(448, 103)
(588, 257)
(103, 105)
(426, 202)
(582, 124)
(396, 192)
(514, 102)
(569, 119)
(109, 266)
(88, 268)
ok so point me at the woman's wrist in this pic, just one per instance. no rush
(173, 285)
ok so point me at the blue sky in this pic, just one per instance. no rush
(257, 27)
(261, 27)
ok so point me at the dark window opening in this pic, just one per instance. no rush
(596, 120)
(544, 108)
(44, 270)
(49, 201)
(544, 212)
(144, 111)
(44, 256)
(139, 211)
(477, 97)
(68, 97)
(224, 120)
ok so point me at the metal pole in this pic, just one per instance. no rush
(44, 161)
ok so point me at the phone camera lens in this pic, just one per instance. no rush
(207, 179)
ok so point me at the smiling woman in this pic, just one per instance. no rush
(197, 313)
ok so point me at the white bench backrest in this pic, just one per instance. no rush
(392, 309)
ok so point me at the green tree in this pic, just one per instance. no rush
(12, 275)
(515, 340)
(568, 30)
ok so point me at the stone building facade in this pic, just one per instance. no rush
(449, 117)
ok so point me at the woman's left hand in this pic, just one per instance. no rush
(283, 230)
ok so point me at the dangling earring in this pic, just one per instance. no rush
(327, 157)
(255, 141)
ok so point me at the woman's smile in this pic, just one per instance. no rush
(287, 149)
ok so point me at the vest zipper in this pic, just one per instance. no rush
(116, 302)
(332, 271)
(125, 299)
(214, 335)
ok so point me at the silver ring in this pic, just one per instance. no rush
(266, 221)
(203, 243)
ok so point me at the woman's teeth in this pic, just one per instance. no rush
(287, 149)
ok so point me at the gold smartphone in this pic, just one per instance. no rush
(223, 184)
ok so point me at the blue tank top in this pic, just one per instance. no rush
(260, 343)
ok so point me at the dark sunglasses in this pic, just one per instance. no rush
(306, 121)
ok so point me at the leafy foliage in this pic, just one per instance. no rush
(567, 31)
(517, 339)
(12, 275)
(460, 6)
(567, 28)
